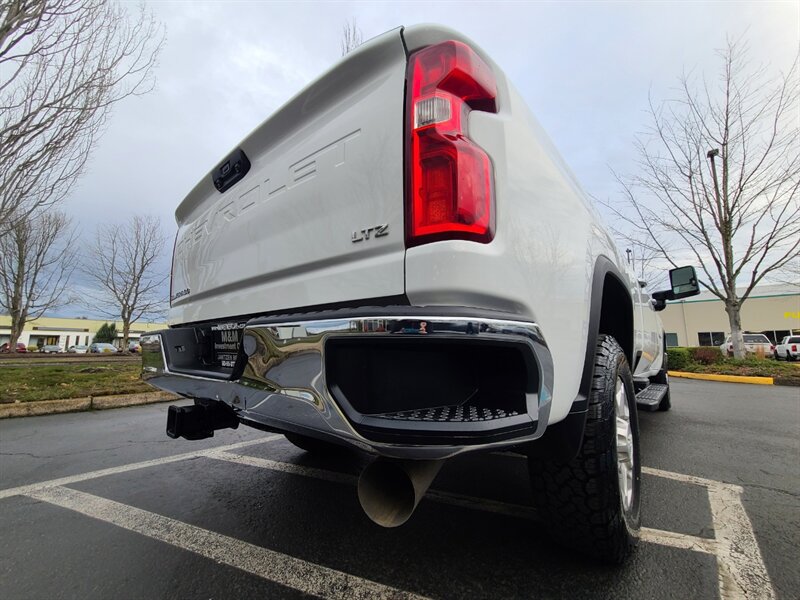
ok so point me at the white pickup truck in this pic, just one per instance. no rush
(789, 348)
(398, 261)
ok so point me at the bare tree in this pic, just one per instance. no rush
(351, 37)
(790, 274)
(123, 263)
(64, 65)
(646, 262)
(719, 176)
(37, 259)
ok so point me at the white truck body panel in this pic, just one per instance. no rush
(326, 164)
(649, 333)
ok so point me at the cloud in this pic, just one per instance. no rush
(584, 68)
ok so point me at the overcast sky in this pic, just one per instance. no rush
(585, 69)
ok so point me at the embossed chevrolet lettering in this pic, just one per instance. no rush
(305, 169)
(180, 294)
(364, 234)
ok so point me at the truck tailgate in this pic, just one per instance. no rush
(324, 167)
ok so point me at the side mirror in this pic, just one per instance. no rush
(683, 281)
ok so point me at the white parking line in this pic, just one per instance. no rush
(742, 573)
(284, 467)
(665, 538)
(655, 536)
(693, 479)
(26, 489)
(503, 508)
(286, 570)
(741, 569)
(678, 540)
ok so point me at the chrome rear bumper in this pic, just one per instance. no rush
(284, 379)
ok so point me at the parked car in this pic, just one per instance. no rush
(20, 347)
(101, 348)
(78, 349)
(752, 343)
(50, 349)
(789, 348)
(134, 347)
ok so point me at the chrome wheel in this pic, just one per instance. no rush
(625, 456)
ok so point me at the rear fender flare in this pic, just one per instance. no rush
(563, 440)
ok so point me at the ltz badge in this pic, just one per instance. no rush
(364, 234)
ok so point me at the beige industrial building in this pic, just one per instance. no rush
(699, 321)
(68, 332)
(773, 310)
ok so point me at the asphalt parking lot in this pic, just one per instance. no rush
(103, 504)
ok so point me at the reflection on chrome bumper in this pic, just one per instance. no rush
(289, 379)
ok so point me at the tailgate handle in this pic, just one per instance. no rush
(230, 170)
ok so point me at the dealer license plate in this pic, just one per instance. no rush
(226, 338)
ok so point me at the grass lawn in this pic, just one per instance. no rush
(51, 382)
(748, 366)
(785, 373)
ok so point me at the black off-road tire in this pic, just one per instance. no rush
(580, 501)
(313, 445)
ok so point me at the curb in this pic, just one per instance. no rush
(725, 378)
(51, 407)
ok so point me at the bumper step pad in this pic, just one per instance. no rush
(449, 414)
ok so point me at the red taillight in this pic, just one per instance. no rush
(449, 178)
(794, 347)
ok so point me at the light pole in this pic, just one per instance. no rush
(726, 230)
(711, 154)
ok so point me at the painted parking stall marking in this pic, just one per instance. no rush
(504, 508)
(280, 568)
(740, 567)
(742, 573)
(70, 479)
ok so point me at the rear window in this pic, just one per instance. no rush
(794, 340)
(756, 339)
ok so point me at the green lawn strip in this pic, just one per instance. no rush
(53, 382)
(783, 372)
(747, 367)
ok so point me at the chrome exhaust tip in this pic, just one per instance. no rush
(389, 490)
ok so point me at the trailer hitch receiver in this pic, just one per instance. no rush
(200, 420)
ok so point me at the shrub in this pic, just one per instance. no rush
(678, 358)
(706, 355)
(107, 333)
(33, 348)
